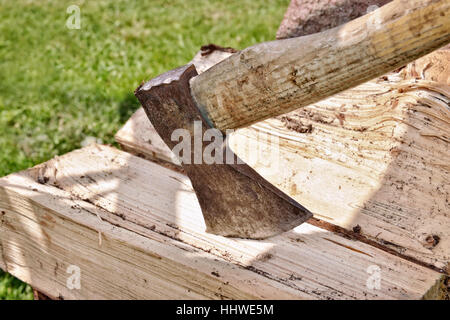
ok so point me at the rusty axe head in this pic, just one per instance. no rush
(235, 200)
(274, 78)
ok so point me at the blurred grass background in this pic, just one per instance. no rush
(59, 86)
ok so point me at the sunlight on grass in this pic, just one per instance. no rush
(13, 289)
(58, 86)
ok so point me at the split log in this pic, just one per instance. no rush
(373, 159)
(135, 230)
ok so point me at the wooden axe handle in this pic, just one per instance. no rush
(277, 77)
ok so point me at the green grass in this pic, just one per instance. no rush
(13, 289)
(58, 86)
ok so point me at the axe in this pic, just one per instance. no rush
(270, 79)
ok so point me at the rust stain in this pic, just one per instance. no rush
(48, 218)
(348, 247)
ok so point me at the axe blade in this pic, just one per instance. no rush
(235, 200)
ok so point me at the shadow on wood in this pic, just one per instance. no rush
(135, 231)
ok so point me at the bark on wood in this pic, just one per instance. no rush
(135, 230)
(305, 17)
(375, 157)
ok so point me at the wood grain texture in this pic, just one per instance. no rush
(273, 78)
(375, 156)
(45, 229)
(135, 230)
(379, 162)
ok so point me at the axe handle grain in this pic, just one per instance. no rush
(277, 77)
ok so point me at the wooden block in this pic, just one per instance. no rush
(45, 230)
(135, 230)
(372, 159)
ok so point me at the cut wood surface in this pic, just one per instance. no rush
(374, 158)
(135, 230)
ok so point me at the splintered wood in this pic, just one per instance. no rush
(154, 244)
(373, 159)
(376, 157)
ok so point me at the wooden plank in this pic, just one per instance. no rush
(45, 230)
(135, 230)
(374, 158)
